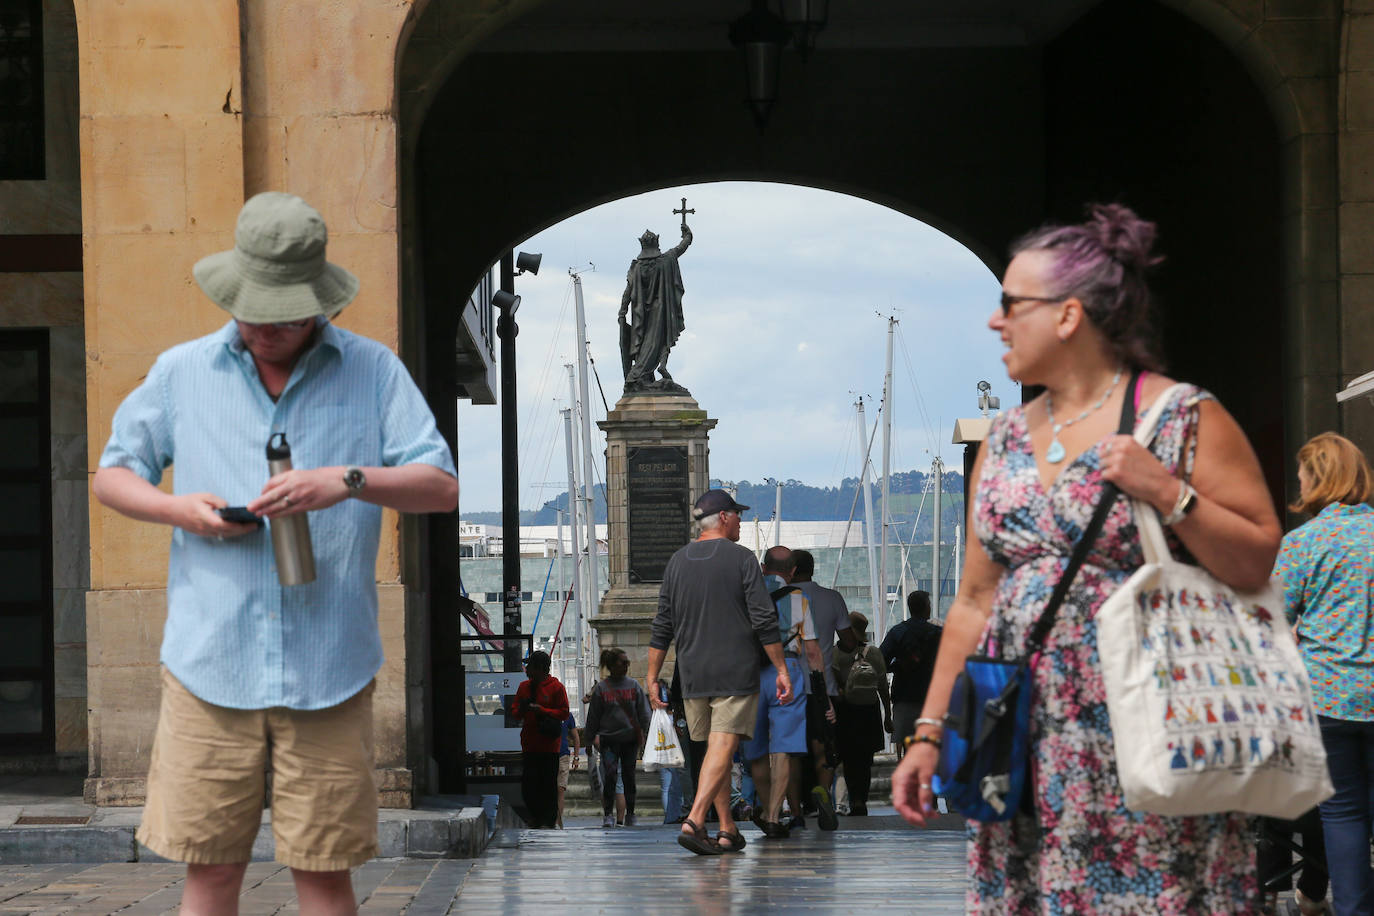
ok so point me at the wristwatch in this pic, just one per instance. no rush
(1186, 503)
(355, 480)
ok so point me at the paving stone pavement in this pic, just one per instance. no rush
(583, 869)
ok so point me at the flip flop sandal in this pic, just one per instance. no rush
(698, 841)
(735, 840)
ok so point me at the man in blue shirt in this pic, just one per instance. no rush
(779, 741)
(255, 671)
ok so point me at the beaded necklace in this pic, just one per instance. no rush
(1055, 453)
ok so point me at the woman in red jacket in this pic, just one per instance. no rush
(542, 704)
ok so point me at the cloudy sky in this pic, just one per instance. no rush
(786, 293)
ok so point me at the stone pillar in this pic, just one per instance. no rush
(646, 439)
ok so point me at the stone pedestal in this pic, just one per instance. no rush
(656, 467)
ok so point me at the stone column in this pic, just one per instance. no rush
(647, 438)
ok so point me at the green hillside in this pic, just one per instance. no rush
(803, 502)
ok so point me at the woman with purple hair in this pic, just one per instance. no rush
(1075, 319)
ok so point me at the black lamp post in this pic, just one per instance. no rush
(506, 303)
(760, 36)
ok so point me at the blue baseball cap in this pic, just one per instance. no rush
(713, 501)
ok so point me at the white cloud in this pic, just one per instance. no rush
(783, 286)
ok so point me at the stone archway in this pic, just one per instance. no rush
(570, 129)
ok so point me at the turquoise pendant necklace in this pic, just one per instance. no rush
(1055, 453)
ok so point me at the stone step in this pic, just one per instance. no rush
(442, 827)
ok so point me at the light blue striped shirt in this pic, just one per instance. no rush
(235, 637)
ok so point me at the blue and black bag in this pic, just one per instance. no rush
(982, 770)
(985, 751)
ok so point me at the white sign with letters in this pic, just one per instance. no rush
(489, 732)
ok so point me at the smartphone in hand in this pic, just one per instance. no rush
(239, 515)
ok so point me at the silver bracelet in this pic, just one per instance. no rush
(938, 723)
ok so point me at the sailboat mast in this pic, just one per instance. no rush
(777, 515)
(589, 504)
(958, 543)
(559, 655)
(886, 517)
(937, 470)
(868, 512)
(579, 593)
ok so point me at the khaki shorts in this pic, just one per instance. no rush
(733, 715)
(206, 782)
(564, 768)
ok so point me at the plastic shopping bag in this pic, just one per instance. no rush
(662, 748)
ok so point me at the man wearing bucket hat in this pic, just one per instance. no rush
(255, 672)
(714, 605)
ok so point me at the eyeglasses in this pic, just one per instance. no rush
(1009, 300)
(283, 325)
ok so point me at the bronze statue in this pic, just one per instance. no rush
(651, 314)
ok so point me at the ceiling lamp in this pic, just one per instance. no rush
(760, 36)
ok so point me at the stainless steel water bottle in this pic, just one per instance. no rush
(290, 533)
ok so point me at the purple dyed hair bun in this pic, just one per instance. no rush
(1123, 235)
(1102, 262)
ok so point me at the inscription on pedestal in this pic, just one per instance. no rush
(656, 499)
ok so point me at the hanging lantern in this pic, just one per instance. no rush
(760, 36)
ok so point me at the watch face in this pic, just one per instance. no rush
(354, 478)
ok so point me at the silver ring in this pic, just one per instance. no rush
(286, 500)
(925, 785)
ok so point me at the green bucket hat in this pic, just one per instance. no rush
(276, 270)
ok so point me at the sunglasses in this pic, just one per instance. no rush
(1009, 300)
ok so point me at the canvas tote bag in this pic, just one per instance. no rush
(1209, 699)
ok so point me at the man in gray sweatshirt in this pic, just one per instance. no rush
(714, 605)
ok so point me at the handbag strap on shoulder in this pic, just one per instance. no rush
(1110, 492)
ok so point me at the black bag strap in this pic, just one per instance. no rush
(780, 592)
(1042, 626)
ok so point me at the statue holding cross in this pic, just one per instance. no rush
(651, 313)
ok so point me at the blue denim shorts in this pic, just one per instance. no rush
(779, 729)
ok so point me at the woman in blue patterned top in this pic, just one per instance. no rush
(1327, 570)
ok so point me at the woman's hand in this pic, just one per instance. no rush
(1232, 529)
(912, 795)
(1138, 473)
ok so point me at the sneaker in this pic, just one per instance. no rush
(630, 820)
(608, 821)
(825, 812)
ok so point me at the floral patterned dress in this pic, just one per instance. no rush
(1084, 852)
